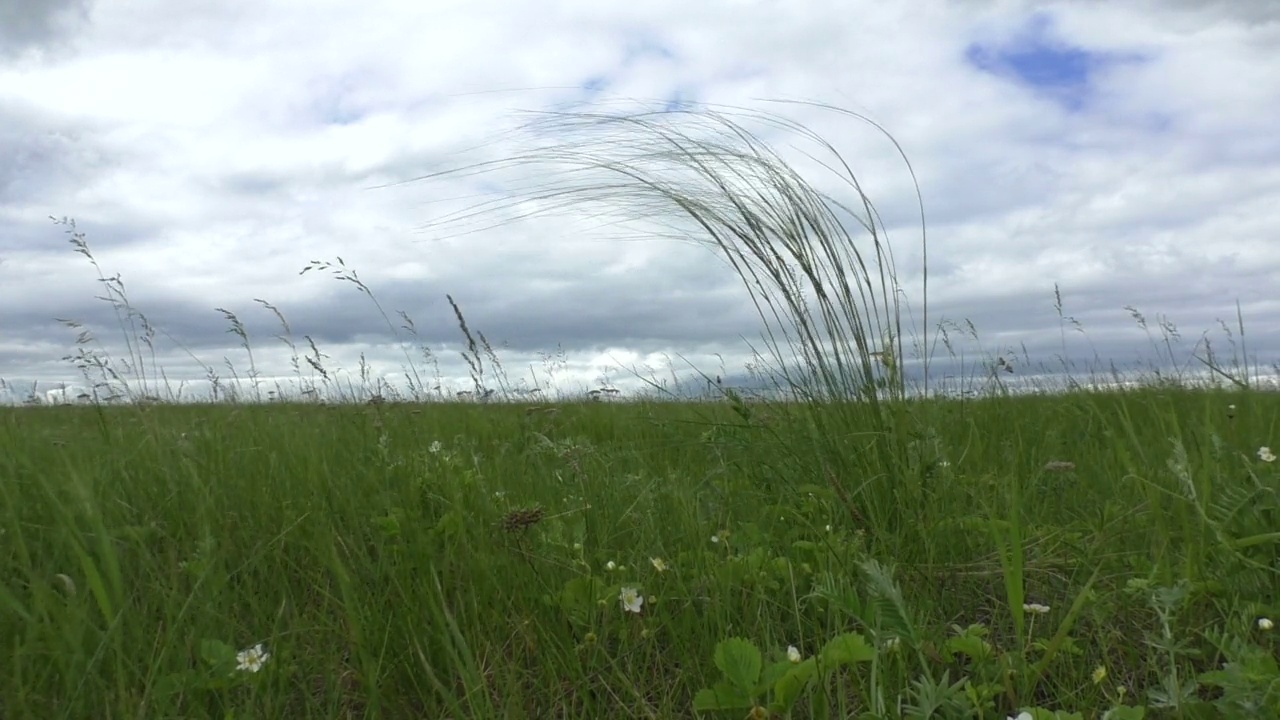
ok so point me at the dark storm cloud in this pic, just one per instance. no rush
(38, 24)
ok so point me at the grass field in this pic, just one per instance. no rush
(469, 561)
(857, 551)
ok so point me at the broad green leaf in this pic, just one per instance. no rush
(215, 652)
(722, 696)
(740, 661)
(847, 649)
(789, 687)
(974, 647)
(772, 673)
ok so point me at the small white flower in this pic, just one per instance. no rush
(793, 654)
(658, 564)
(611, 566)
(631, 599)
(435, 447)
(892, 644)
(1265, 454)
(1265, 624)
(1021, 716)
(1036, 608)
(715, 538)
(828, 528)
(253, 659)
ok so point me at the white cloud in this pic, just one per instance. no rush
(210, 150)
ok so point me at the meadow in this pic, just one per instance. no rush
(847, 549)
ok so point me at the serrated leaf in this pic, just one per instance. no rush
(740, 661)
(1215, 677)
(722, 696)
(773, 672)
(847, 649)
(974, 647)
(789, 687)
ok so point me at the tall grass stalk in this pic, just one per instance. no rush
(829, 299)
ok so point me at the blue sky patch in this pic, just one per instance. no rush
(1040, 59)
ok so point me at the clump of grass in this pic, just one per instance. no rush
(830, 304)
(817, 268)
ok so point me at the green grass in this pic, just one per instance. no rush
(382, 581)
(856, 552)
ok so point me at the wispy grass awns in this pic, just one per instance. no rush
(817, 266)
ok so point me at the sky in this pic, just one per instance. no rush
(1124, 152)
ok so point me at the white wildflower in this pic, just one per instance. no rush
(631, 599)
(252, 659)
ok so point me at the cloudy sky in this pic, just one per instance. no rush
(211, 149)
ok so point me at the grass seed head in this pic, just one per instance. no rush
(522, 519)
